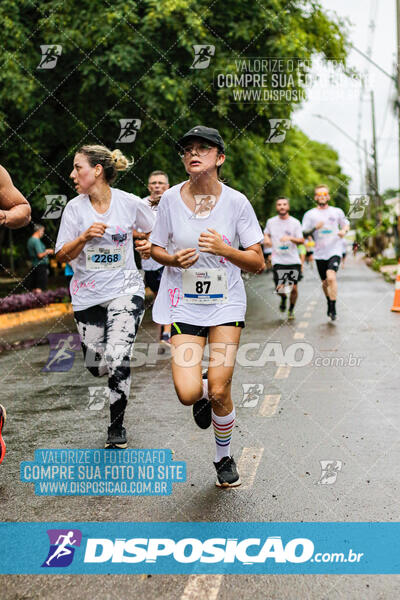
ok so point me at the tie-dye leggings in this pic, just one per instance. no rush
(107, 333)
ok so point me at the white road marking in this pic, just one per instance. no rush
(269, 406)
(298, 335)
(307, 315)
(282, 372)
(202, 587)
(248, 465)
(303, 324)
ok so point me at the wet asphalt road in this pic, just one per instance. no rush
(335, 412)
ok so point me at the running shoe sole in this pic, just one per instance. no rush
(108, 446)
(228, 485)
(3, 416)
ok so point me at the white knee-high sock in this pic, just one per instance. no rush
(223, 427)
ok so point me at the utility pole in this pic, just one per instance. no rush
(366, 179)
(398, 81)
(374, 154)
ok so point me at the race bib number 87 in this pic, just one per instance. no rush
(209, 286)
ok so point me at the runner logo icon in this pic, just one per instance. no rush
(129, 129)
(55, 205)
(277, 130)
(50, 54)
(62, 351)
(62, 547)
(202, 56)
(358, 204)
(98, 396)
(329, 471)
(251, 394)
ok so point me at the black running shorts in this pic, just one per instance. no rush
(200, 331)
(152, 279)
(331, 263)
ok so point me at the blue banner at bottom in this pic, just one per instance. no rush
(215, 548)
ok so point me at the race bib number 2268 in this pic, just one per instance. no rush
(105, 258)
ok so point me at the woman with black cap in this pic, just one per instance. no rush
(202, 293)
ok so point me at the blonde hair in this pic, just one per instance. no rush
(322, 185)
(111, 161)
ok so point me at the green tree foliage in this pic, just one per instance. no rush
(127, 59)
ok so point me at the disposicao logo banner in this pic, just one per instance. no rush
(339, 548)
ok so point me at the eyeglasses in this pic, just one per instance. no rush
(322, 194)
(200, 149)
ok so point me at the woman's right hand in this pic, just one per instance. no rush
(95, 230)
(185, 258)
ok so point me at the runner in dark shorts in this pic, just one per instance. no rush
(327, 225)
(283, 234)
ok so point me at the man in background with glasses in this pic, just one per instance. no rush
(327, 225)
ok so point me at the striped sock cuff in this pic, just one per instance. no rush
(223, 427)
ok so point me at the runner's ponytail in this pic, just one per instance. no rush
(111, 161)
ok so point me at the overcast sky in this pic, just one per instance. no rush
(341, 102)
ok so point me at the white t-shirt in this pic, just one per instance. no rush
(234, 218)
(283, 253)
(327, 241)
(105, 269)
(149, 264)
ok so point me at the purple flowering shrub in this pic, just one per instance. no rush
(18, 302)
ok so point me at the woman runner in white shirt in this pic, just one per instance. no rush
(107, 290)
(201, 292)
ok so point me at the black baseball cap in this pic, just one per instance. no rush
(205, 133)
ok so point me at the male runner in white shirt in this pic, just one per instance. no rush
(283, 233)
(327, 225)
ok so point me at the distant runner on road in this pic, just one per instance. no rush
(283, 234)
(328, 226)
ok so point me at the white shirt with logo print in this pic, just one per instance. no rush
(284, 253)
(96, 280)
(327, 241)
(177, 226)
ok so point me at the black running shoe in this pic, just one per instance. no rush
(2, 421)
(202, 409)
(202, 413)
(282, 306)
(227, 473)
(116, 437)
(332, 314)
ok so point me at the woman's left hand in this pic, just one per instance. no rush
(143, 247)
(211, 241)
